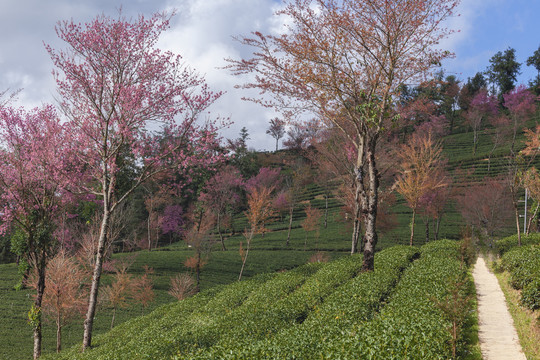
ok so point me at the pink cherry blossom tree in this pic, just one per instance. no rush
(117, 89)
(222, 194)
(33, 163)
(482, 106)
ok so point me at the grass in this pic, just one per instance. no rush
(526, 321)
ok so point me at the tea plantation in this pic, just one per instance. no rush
(314, 311)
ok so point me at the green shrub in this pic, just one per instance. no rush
(504, 245)
(523, 264)
(530, 296)
(354, 302)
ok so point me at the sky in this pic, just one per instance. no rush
(202, 31)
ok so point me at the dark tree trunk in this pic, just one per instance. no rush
(37, 305)
(371, 198)
(325, 211)
(427, 230)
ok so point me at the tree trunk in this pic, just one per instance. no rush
(277, 143)
(37, 307)
(475, 140)
(356, 216)
(531, 219)
(412, 226)
(149, 235)
(245, 257)
(58, 333)
(427, 230)
(223, 248)
(325, 211)
(113, 316)
(437, 224)
(372, 198)
(518, 227)
(92, 302)
(291, 210)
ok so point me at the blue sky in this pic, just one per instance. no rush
(202, 32)
(489, 26)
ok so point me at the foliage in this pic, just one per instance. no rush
(504, 70)
(421, 172)
(523, 264)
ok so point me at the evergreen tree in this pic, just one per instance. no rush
(503, 71)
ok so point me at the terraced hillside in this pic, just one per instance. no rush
(314, 311)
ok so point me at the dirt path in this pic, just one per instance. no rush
(498, 337)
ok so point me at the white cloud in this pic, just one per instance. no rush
(202, 32)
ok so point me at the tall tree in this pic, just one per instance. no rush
(504, 70)
(33, 176)
(259, 211)
(113, 83)
(421, 172)
(276, 130)
(344, 61)
(534, 61)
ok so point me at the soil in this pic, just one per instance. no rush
(497, 334)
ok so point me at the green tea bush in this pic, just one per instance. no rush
(261, 322)
(504, 245)
(355, 301)
(523, 264)
(411, 325)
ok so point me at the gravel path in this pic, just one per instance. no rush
(498, 337)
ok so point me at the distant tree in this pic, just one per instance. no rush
(172, 222)
(450, 99)
(534, 61)
(482, 107)
(265, 178)
(488, 205)
(65, 294)
(432, 205)
(243, 158)
(295, 187)
(503, 71)
(297, 138)
(199, 240)
(221, 195)
(276, 130)
(421, 169)
(311, 222)
(259, 211)
(520, 103)
(470, 89)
